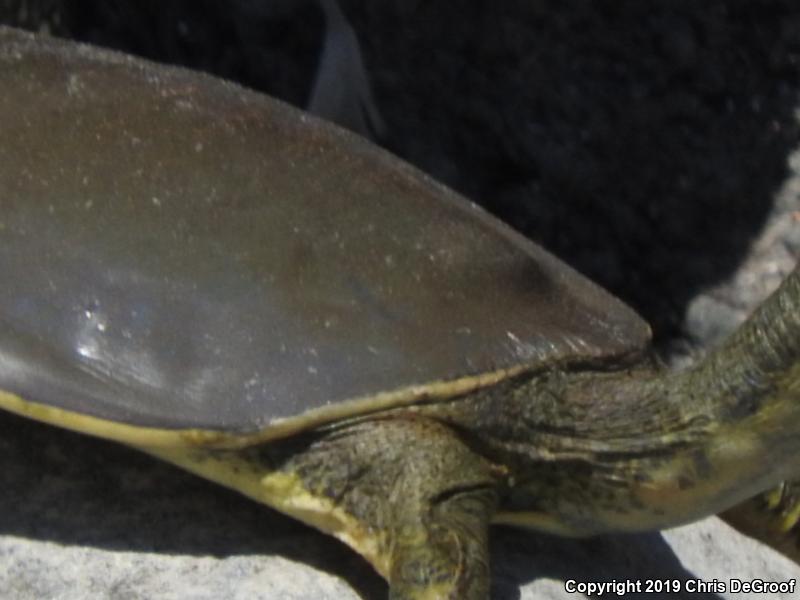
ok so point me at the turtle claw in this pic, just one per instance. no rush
(772, 517)
(783, 502)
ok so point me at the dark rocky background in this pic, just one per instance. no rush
(642, 141)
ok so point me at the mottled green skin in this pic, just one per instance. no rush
(581, 449)
(418, 482)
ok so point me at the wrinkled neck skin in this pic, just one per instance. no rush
(585, 452)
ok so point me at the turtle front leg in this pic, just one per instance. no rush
(440, 550)
(408, 494)
(419, 498)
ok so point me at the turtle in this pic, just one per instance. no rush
(212, 277)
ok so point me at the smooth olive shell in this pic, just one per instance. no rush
(177, 251)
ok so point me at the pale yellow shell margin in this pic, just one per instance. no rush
(151, 437)
(283, 491)
(203, 452)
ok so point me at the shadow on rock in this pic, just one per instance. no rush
(74, 490)
(521, 557)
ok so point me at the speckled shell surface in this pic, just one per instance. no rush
(179, 252)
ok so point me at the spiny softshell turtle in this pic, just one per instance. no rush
(214, 278)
